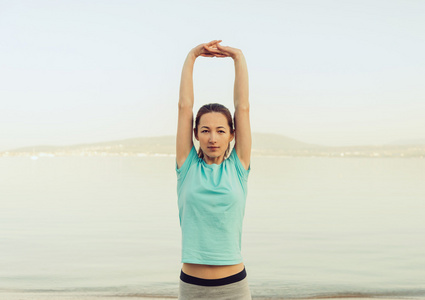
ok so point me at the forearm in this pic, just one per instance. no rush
(241, 89)
(186, 97)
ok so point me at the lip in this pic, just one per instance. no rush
(213, 148)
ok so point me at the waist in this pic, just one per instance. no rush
(211, 271)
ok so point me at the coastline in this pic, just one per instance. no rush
(85, 296)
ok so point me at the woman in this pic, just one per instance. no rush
(212, 187)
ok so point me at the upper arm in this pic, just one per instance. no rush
(243, 138)
(184, 142)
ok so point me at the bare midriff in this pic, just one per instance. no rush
(211, 271)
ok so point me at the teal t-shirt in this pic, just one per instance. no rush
(211, 201)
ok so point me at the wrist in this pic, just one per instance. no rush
(238, 56)
(192, 55)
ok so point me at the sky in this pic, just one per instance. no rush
(334, 73)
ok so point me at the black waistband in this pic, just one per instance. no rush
(213, 282)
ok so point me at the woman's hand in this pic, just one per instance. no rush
(202, 49)
(223, 51)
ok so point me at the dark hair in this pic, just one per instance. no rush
(218, 108)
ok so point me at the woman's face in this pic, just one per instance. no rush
(214, 136)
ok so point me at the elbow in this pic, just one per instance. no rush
(242, 107)
(183, 105)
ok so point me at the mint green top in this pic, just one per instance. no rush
(211, 201)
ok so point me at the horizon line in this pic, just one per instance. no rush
(422, 143)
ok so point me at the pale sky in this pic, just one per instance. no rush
(324, 72)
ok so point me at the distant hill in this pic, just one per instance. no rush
(408, 142)
(263, 144)
(267, 143)
(149, 145)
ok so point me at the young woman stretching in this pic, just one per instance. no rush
(212, 185)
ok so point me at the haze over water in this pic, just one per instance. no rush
(335, 73)
(313, 226)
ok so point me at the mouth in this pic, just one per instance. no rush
(213, 148)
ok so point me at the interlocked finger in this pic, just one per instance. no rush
(213, 42)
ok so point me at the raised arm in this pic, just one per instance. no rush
(241, 100)
(243, 139)
(184, 140)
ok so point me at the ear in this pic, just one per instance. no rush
(195, 132)
(232, 136)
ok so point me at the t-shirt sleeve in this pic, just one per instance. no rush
(182, 171)
(242, 173)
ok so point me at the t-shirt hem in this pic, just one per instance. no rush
(212, 262)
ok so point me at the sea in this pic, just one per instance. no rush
(314, 226)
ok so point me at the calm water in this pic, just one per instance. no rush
(313, 226)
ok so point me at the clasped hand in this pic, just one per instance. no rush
(214, 49)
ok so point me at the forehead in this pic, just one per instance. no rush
(213, 119)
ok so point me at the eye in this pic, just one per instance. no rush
(203, 131)
(221, 131)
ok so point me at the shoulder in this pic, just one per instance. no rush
(189, 161)
(241, 170)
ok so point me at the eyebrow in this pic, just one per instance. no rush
(217, 127)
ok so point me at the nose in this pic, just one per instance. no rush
(212, 138)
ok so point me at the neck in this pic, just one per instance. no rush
(213, 160)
